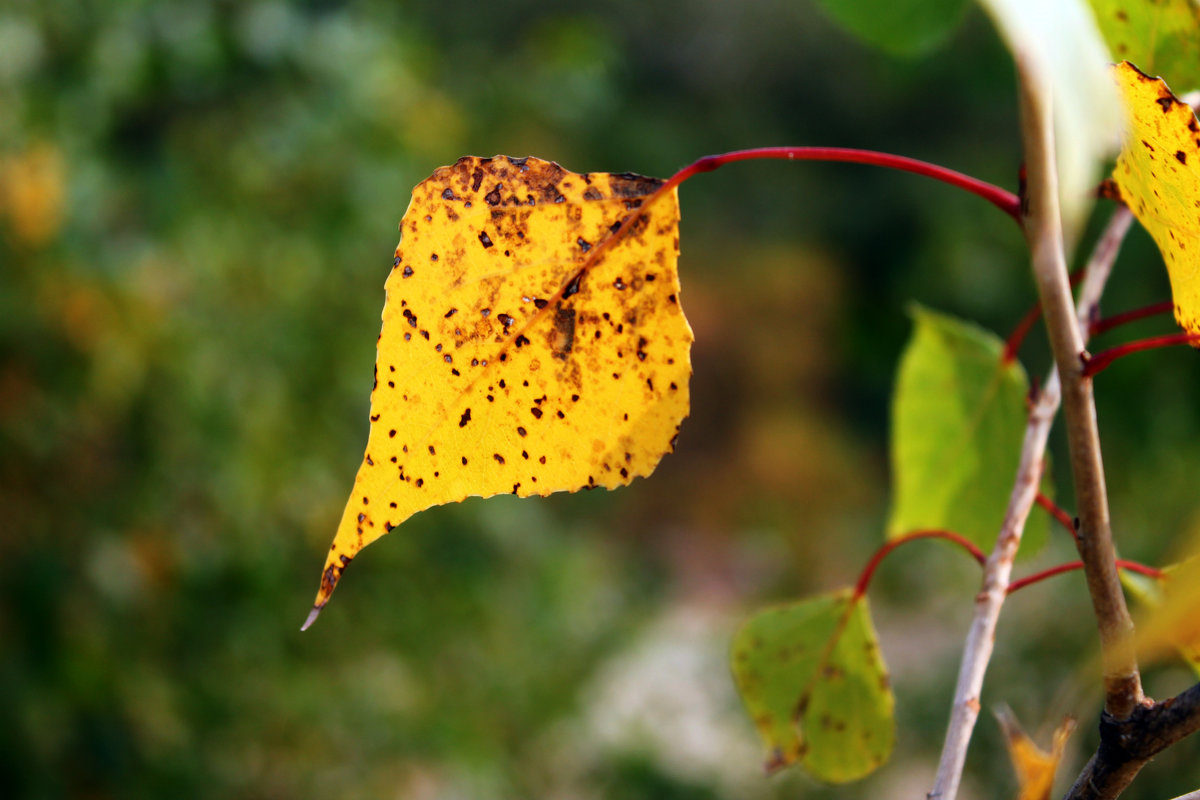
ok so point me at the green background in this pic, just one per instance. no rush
(198, 207)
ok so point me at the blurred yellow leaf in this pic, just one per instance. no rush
(525, 348)
(32, 193)
(1172, 621)
(1158, 175)
(1035, 767)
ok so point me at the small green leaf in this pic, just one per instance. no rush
(900, 27)
(958, 422)
(813, 680)
(1162, 38)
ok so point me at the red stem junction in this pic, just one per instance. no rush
(1017, 337)
(1063, 517)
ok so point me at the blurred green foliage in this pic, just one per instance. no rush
(198, 204)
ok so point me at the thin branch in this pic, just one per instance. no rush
(1043, 229)
(977, 649)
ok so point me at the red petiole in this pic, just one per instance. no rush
(1108, 323)
(1132, 566)
(1098, 362)
(1063, 517)
(1004, 200)
(864, 579)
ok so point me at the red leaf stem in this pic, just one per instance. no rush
(1132, 566)
(1108, 323)
(1098, 362)
(1056, 511)
(1004, 200)
(864, 579)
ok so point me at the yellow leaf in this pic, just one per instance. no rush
(1035, 767)
(526, 349)
(1172, 624)
(1158, 174)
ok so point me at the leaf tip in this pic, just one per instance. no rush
(312, 617)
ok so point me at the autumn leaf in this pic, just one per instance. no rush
(1158, 176)
(1170, 623)
(813, 680)
(1162, 37)
(530, 344)
(1034, 766)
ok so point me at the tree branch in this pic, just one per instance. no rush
(977, 649)
(1126, 745)
(1043, 229)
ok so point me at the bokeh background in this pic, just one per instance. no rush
(198, 207)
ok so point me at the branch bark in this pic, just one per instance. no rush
(1043, 229)
(977, 649)
(1127, 745)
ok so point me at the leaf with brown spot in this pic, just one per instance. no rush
(813, 680)
(1158, 175)
(553, 353)
(1035, 767)
(1161, 37)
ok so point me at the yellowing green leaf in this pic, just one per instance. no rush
(1161, 37)
(958, 422)
(1171, 623)
(521, 352)
(1034, 766)
(1158, 175)
(813, 680)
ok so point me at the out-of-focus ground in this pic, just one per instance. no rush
(198, 207)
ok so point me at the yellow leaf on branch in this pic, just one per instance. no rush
(1035, 767)
(1158, 175)
(528, 345)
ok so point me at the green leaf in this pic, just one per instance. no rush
(813, 680)
(958, 421)
(1059, 48)
(901, 27)
(1162, 38)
